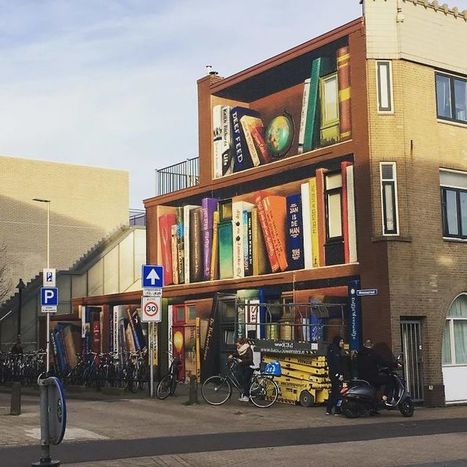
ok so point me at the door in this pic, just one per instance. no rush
(411, 336)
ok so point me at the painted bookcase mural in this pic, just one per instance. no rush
(308, 223)
(245, 137)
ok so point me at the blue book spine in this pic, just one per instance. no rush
(242, 158)
(294, 231)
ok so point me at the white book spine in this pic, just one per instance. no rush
(217, 143)
(306, 96)
(246, 127)
(351, 215)
(226, 137)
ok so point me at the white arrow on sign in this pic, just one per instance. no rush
(153, 277)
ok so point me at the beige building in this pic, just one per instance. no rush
(417, 108)
(86, 204)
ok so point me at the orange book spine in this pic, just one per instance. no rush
(343, 76)
(275, 208)
(267, 235)
(321, 215)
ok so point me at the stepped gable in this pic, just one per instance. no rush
(87, 259)
(441, 7)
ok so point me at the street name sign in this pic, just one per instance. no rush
(366, 292)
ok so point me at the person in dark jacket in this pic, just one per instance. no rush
(244, 356)
(17, 347)
(369, 363)
(335, 361)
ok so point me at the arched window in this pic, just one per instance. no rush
(455, 333)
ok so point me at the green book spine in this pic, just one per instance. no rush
(312, 113)
(225, 250)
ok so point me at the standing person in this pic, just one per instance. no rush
(369, 363)
(244, 356)
(17, 347)
(335, 360)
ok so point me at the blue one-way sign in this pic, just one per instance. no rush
(49, 299)
(152, 276)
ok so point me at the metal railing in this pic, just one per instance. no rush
(177, 177)
(137, 217)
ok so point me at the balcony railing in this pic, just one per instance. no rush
(177, 177)
(137, 217)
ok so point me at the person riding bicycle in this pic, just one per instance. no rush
(369, 363)
(244, 357)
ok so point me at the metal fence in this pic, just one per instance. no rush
(137, 217)
(177, 177)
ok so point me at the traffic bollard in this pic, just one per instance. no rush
(15, 407)
(193, 394)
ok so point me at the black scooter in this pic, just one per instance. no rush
(359, 397)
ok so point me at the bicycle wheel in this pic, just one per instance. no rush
(164, 387)
(216, 390)
(263, 391)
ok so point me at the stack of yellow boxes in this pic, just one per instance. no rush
(304, 379)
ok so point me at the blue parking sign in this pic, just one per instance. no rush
(152, 276)
(49, 299)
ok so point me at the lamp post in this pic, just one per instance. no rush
(47, 201)
(20, 288)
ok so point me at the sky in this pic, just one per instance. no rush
(112, 83)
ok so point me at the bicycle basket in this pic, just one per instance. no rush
(272, 368)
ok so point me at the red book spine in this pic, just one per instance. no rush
(165, 230)
(257, 133)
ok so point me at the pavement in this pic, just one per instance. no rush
(133, 430)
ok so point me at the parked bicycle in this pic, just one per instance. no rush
(168, 383)
(263, 391)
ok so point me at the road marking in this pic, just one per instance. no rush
(70, 434)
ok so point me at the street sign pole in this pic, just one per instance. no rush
(151, 360)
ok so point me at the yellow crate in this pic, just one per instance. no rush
(315, 362)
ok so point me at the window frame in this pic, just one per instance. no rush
(452, 340)
(388, 91)
(332, 192)
(444, 188)
(392, 183)
(452, 79)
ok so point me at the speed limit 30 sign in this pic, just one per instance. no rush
(151, 307)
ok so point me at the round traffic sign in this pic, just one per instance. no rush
(151, 309)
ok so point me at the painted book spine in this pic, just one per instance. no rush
(294, 230)
(343, 76)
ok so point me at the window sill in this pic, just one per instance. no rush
(452, 122)
(452, 239)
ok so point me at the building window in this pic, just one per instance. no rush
(455, 333)
(454, 204)
(333, 197)
(389, 198)
(384, 84)
(451, 98)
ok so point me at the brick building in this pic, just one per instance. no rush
(408, 156)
